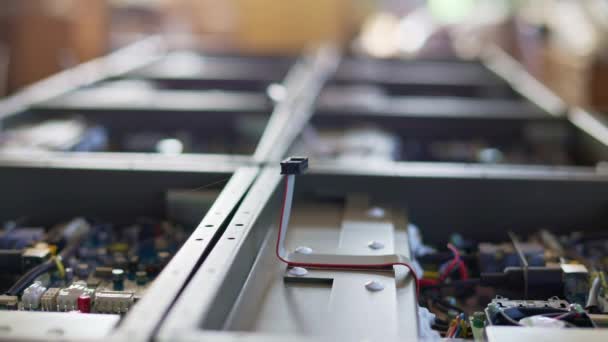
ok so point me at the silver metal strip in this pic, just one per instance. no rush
(140, 323)
(114, 64)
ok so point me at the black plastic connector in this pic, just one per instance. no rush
(294, 166)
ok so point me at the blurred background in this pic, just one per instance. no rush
(562, 42)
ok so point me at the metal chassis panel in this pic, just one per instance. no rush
(498, 186)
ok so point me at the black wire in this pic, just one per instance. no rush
(45, 267)
(29, 277)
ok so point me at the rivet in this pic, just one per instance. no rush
(304, 250)
(375, 244)
(374, 286)
(298, 271)
(375, 212)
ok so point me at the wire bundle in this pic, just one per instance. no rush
(455, 263)
(458, 327)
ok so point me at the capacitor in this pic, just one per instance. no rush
(118, 279)
(141, 277)
(84, 303)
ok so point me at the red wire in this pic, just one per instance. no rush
(335, 266)
(457, 261)
(462, 269)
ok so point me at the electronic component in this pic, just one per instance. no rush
(502, 311)
(118, 279)
(539, 282)
(35, 256)
(76, 260)
(506, 303)
(32, 295)
(9, 302)
(576, 283)
(84, 303)
(103, 272)
(67, 298)
(294, 165)
(117, 302)
(48, 301)
(478, 323)
(141, 277)
(497, 257)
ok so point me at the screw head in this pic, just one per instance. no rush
(303, 250)
(374, 286)
(298, 271)
(375, 212)
(375, 244)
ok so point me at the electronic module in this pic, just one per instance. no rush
(546, 280)
(83, 265)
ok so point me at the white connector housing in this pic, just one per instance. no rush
(67, 299)
(116, 302)
(31, 296)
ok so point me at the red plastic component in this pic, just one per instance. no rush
(84, 303)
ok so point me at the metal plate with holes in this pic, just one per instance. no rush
(242, 288)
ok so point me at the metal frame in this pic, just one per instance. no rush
(301, 86)
(114, 64)
(142, 320)
(592, 132)
(419, 77)
(471, 198)
(196, 286)
(215, 71)
(514, 73)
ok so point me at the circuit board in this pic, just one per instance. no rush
(544, 280)
(87, 266)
